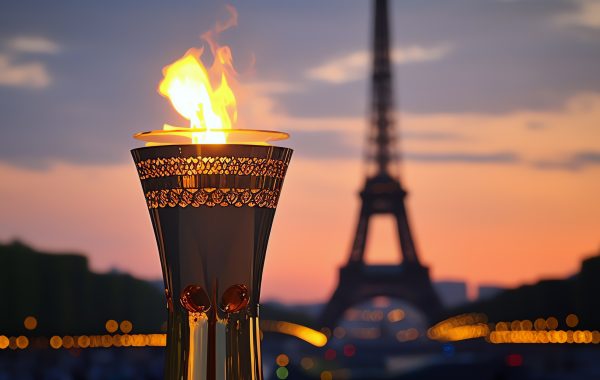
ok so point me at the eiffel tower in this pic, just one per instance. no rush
(382, 194)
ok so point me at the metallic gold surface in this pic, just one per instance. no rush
(212, 225)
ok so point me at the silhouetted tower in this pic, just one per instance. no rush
(382, 194)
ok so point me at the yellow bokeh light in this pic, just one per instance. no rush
(30, 323)
(515, 325)
(540, 324)
(3, 342)
(326, 375)
(501, 326)
(552, 323)
(22, 342)
(83, 341)
(56, 342)
(68, 341)
(126, 327)
(111, 326)
(116, 340)
(461, 327)
(307, 334)
(126, 340)
(395, 315)
(572, 320)
(106, 341)
(158, 340)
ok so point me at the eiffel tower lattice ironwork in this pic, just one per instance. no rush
(382, 194)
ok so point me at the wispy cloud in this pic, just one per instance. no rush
(574, 162)
(463, 157)
(17, 71)
(416, 53)
(335, 144)
(27, 75)
(431, 136)
(585, 13)
(30, 44)
(352, 66)
(325, 144)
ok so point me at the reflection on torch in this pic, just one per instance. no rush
(212, 191)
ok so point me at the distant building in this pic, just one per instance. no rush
(451, 293)
(61, 292)
(486, 292)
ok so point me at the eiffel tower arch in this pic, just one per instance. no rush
(383, 193)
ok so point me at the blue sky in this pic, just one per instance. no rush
(102, 61)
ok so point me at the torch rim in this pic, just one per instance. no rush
(234, 136)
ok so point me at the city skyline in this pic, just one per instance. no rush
(500, 138)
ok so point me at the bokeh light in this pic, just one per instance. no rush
(30, 323)
(126, 327)
(111, 326)
(572, 320)
(282, 360)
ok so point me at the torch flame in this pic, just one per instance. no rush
(187, 84)
(205, 98)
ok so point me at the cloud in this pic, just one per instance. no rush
(325, 144)
(431, 136)
(27, 44)
(586, 13)
(15, 72)
(463, 157)
(25, 75)
(416, 53)
(335, 144)
(352, 66)
(574, 162)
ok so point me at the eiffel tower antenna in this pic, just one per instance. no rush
(382, 123)
(382, 194)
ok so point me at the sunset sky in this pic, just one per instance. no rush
(498, 107)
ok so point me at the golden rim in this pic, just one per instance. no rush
(233, 136)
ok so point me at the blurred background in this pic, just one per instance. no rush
(497, 108)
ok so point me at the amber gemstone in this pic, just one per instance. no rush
(235, 298)
(195, 299)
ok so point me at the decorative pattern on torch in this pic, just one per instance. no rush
(170, 166)
(212, 175)
(212, 197)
